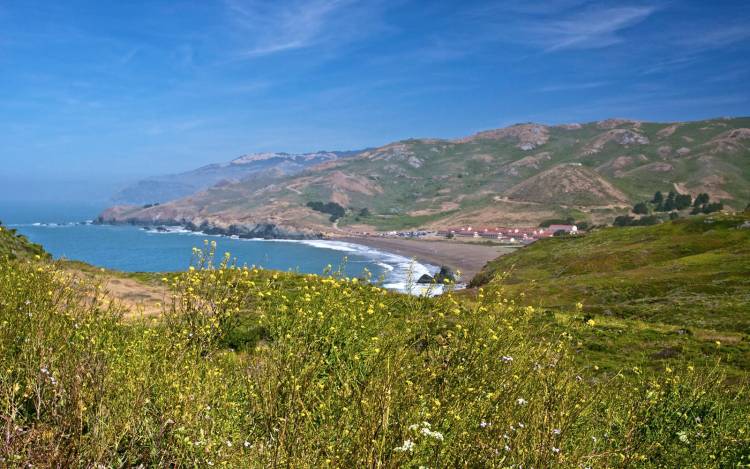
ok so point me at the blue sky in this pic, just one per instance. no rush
(113, 90)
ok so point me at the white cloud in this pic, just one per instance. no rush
(592, 28)
(273, 27)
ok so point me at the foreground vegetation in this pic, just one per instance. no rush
(250, 368)
(660, 293)
(14, 245)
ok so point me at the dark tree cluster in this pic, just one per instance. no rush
(641, 208)
(673, 201)
(708, 208)
(335, 210)
(363, 213)
(626, 220)
(702, 204)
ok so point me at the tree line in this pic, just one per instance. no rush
(677, 202)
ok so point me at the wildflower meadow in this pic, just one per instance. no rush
(253, 368)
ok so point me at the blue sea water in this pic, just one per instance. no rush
(64, 232)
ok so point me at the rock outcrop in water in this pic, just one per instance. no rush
(446, 275)
(249, 231)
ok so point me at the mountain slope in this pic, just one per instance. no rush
(518, 175)
(160, 189)
(570, 184)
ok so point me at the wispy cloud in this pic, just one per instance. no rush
(687, 50)
(128, 56)
(572, 86)
(546, 7)
(670, 63)
(591, 28)
(716, 37)
(274, 27)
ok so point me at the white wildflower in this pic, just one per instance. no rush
(556, 431)
(507, 358)
(436, 435)
(407, 446)
(555, 450)
(521, 401)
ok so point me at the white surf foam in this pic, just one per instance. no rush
(401, 272)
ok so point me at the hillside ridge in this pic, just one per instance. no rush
(518, 175)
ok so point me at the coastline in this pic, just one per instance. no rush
(465, 257)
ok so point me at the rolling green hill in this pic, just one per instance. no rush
(658, 292)
(673, 272)
(517, 175)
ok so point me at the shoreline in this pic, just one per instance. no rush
(465, 257)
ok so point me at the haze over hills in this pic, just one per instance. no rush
(160, 189)
(516, 175)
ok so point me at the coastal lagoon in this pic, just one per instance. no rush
(66, 232)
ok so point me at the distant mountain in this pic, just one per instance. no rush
(160, 189)
(517, 175)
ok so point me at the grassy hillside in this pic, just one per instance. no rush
(664, 291)
(14, 245)
(520, 174)
(248, 368)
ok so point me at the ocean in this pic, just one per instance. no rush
(65, 230)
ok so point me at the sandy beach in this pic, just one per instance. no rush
(466, 257)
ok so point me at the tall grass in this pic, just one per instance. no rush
(253, 368)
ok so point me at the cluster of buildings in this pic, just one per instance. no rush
(509, 235)
(503, 235)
